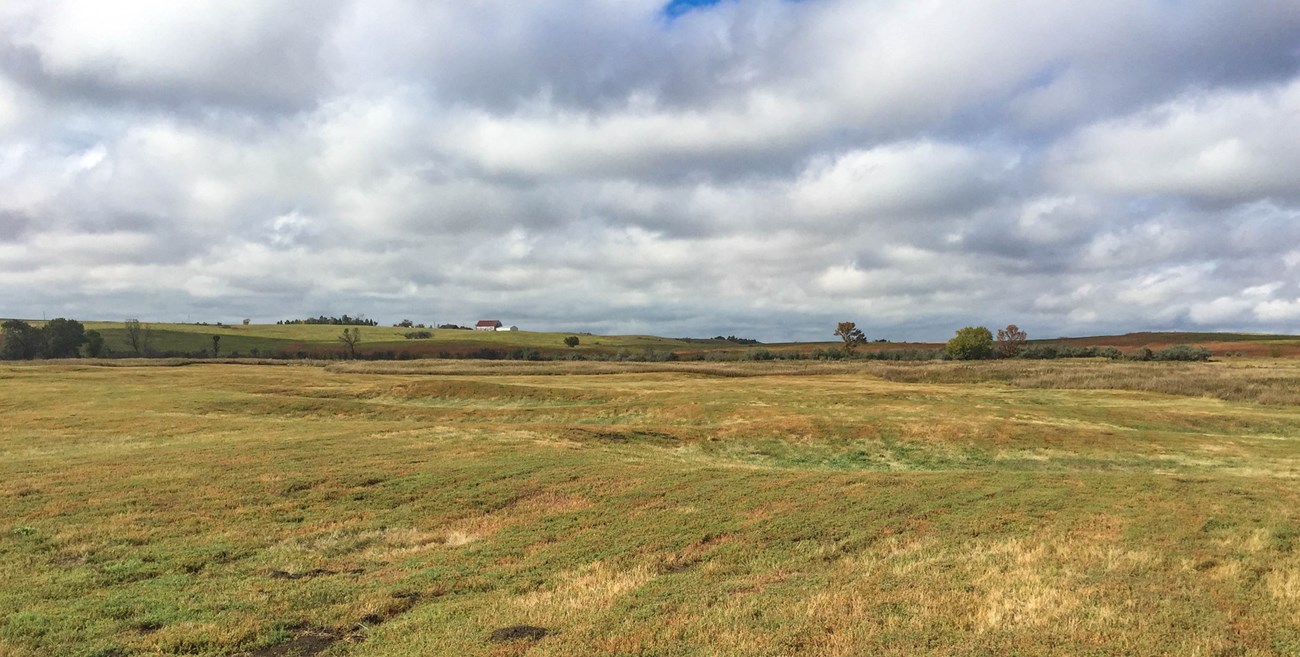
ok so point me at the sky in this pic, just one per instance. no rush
(760, 168)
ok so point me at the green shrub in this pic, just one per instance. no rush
(1183, 352)
(971, 343)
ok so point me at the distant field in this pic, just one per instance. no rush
(783, 508)
(321, 341)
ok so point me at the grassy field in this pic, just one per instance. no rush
(322, 341)
(788, 508)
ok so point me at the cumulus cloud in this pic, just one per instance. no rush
(761, 167)
(1220, 147)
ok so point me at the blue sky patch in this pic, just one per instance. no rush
(676, 8)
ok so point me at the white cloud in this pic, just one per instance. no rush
(255, 51)
(1215, 146)
(899, 179)
(1279, 310)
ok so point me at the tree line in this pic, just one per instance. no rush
(59, 338)
(359, 320)
(979, 343)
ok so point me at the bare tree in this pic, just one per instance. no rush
(139, 336)
(216, 345)
(1011, 341)
(851, 335)
(351, 337)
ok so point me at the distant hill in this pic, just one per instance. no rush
(321, 341)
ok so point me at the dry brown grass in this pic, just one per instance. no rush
(228, 508)
(589, 368)
(1266, 382)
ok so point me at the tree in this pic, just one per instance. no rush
(216, 345)
(63, 338)
(94, 344)
(21, 340)
(351, 337)
(139, 336)
(1011, 341)
(971, 343)
(571, 341)
(851, 335)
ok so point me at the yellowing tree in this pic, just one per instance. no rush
(851, 335)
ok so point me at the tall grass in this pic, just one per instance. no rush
(1256, 381)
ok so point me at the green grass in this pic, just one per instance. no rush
(645, 509)
(319, 339)
(315, 340)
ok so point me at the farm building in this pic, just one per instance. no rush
(507, 328)
(487, 325)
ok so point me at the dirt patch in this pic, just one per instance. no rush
(148, 627)
(403, 601)
(615, 436)
(314, 572)
(517, 633)
(304, 645)
(677, 564)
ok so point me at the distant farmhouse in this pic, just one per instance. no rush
(493, 325)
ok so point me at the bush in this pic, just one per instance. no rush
(1183, 352)
(525, 354)
(829, 354)
(1039, 352)
(971, 343)
(904, 354)
(657, 356)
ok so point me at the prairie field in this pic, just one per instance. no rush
(321, 341)
(776, 508)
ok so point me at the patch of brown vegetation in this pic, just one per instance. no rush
(517, 633)
(1263, 382)
(303, 645)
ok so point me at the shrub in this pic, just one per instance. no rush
(1039, 352)
(1183, 352)
(829, 354)
(971, 343)
(1111, 353)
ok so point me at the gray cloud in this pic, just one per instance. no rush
(759, 167)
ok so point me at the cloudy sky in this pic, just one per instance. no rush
(758, 167)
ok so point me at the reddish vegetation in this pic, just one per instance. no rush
(1221, 344)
